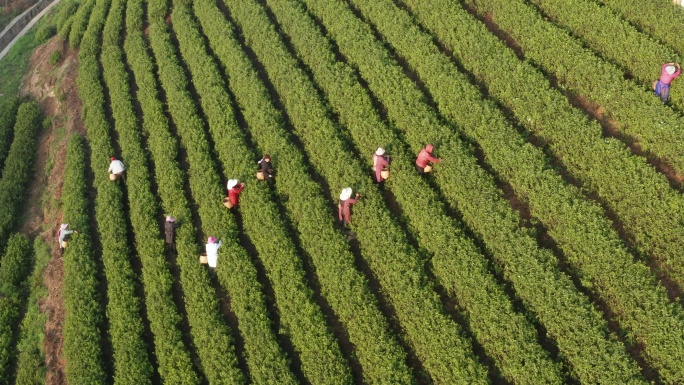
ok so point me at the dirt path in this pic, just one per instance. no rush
(54, 88)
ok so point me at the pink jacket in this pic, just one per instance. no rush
(379, 162)
(343, 211)
(424, 157)
(666, 78)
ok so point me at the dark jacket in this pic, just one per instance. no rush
(266, 168)
(169, 228)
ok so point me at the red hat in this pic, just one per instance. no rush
(112, 158)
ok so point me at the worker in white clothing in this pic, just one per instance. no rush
(116, 168)
(62, 235)
(212, 251)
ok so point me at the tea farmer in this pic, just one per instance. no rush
(266, 167)
(169, 230)
(425, 158)
(116, 167)
(62, 234)
(212, 247)
(343, 207)
(668, 73)
(234, 190)
(379, 162)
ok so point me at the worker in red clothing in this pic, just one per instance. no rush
(380, 161)
(668, 73)
(234, 190)
(425, 157)
(343, 206)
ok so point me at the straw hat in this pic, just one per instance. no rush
(670, 69)
(346, 194)
(380, 151)
(169, 218)
(211, 240)
(232, 183)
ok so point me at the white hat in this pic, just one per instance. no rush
(232, 183)
(346, 194)
(380, 151)
(670, 69)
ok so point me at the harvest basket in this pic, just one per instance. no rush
(203, 259)
(113, 177)
(427, 168)
(227, 203)
(260, 175)
(385, 174)
(64, 244)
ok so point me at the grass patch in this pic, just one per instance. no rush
(13, 65)
(6, 15)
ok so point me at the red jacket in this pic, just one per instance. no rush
(234, 193)
(424, 157)
(343, 211)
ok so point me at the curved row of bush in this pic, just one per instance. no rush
(8, 115)
(648, 209)
(18, 168)
(31, 367)
(342, 285)
(126, 329)
(299, 315)
(657, 129)
(211, 336)
(82, 300)
(175, 364)
(264, 357)
(603, 264)
(537, 281)
(634, 51)
(65, 17)
(319, 353)
(14, 269)
(208, 330)
(77, 27)
(437, 341)
(664, 22)
(491, 318)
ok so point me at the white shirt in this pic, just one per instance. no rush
(116, 167)
(63, 234)
(212, 253)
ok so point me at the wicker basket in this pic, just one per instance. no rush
(227, 203)
(113, 177)
(203, 259)
(427, 169)
(260, 175)
(385, 174)
(64, 244)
